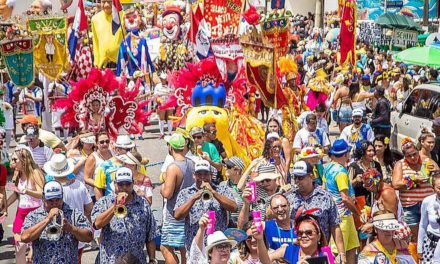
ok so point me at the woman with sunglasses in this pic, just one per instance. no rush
(413, 187)
(273, 125)
(247, 252)
(310, 241)
(272, 154)
(28, 179)
(82, 147)
(384, 157)
(384, 248)
(95, 160)
(429, 230)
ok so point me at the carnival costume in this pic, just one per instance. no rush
(173, 53)
(117, 109)
(133, 52)
(105, 44)
(320, 89)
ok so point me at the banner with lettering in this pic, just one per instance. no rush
(222, 16)
(50, 51)
(227, 52)
(276, 29)
(19, 60)
(260, 71)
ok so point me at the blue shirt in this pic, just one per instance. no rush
(63, 251)
(291, 255)
(337, 180)
(129, 234)
(276, 236)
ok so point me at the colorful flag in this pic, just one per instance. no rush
(116, 20)
(348, 33)
(79, 24)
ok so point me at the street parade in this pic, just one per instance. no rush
(219, 131)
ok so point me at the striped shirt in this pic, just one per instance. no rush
(41, 154)
(414, 195)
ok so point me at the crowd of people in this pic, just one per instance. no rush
(297, 193)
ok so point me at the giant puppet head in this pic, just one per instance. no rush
(132, 19)
(172, 19)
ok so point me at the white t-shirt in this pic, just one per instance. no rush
(76, 195)
(304, 138)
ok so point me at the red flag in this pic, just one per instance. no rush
(116, 20)
(81, 16)
(195, 21)
(348, 33)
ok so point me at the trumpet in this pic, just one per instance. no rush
(54, 229)
(206, 195)
(120, 211)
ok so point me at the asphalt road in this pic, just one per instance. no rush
(152, 148)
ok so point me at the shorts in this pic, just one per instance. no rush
(344, 115)
(19, 219)
(173, 234)
(412, 214)
(349, 234)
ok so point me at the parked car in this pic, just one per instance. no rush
(417, 111)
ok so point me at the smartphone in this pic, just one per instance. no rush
(318, 260)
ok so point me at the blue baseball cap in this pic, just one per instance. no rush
(365, 77)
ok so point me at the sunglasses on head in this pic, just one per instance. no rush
(104, 142)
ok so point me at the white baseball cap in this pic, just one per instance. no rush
(123, 175)
(53, 190)
(202, 165)
(357, 112)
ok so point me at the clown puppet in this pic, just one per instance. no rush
(133, 52)
(173, 53)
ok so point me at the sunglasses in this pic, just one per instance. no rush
(197, 137)
(102, 142)
(212, 132)
(223, 247)
(308, 233)
(14, 160)
(266, 180)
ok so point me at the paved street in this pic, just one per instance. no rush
(152, 148)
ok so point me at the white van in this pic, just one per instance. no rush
(417, 111)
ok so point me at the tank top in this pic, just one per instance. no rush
(187, 168)
(415, 195)
(98, 163)
(24, 200)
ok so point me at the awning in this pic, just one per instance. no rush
(389, 20)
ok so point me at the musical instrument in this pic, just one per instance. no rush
(121, 211)
(54, 230)
(206, 195)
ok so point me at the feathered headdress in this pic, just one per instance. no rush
(288, 67)
(117, 103)
(186, 79)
